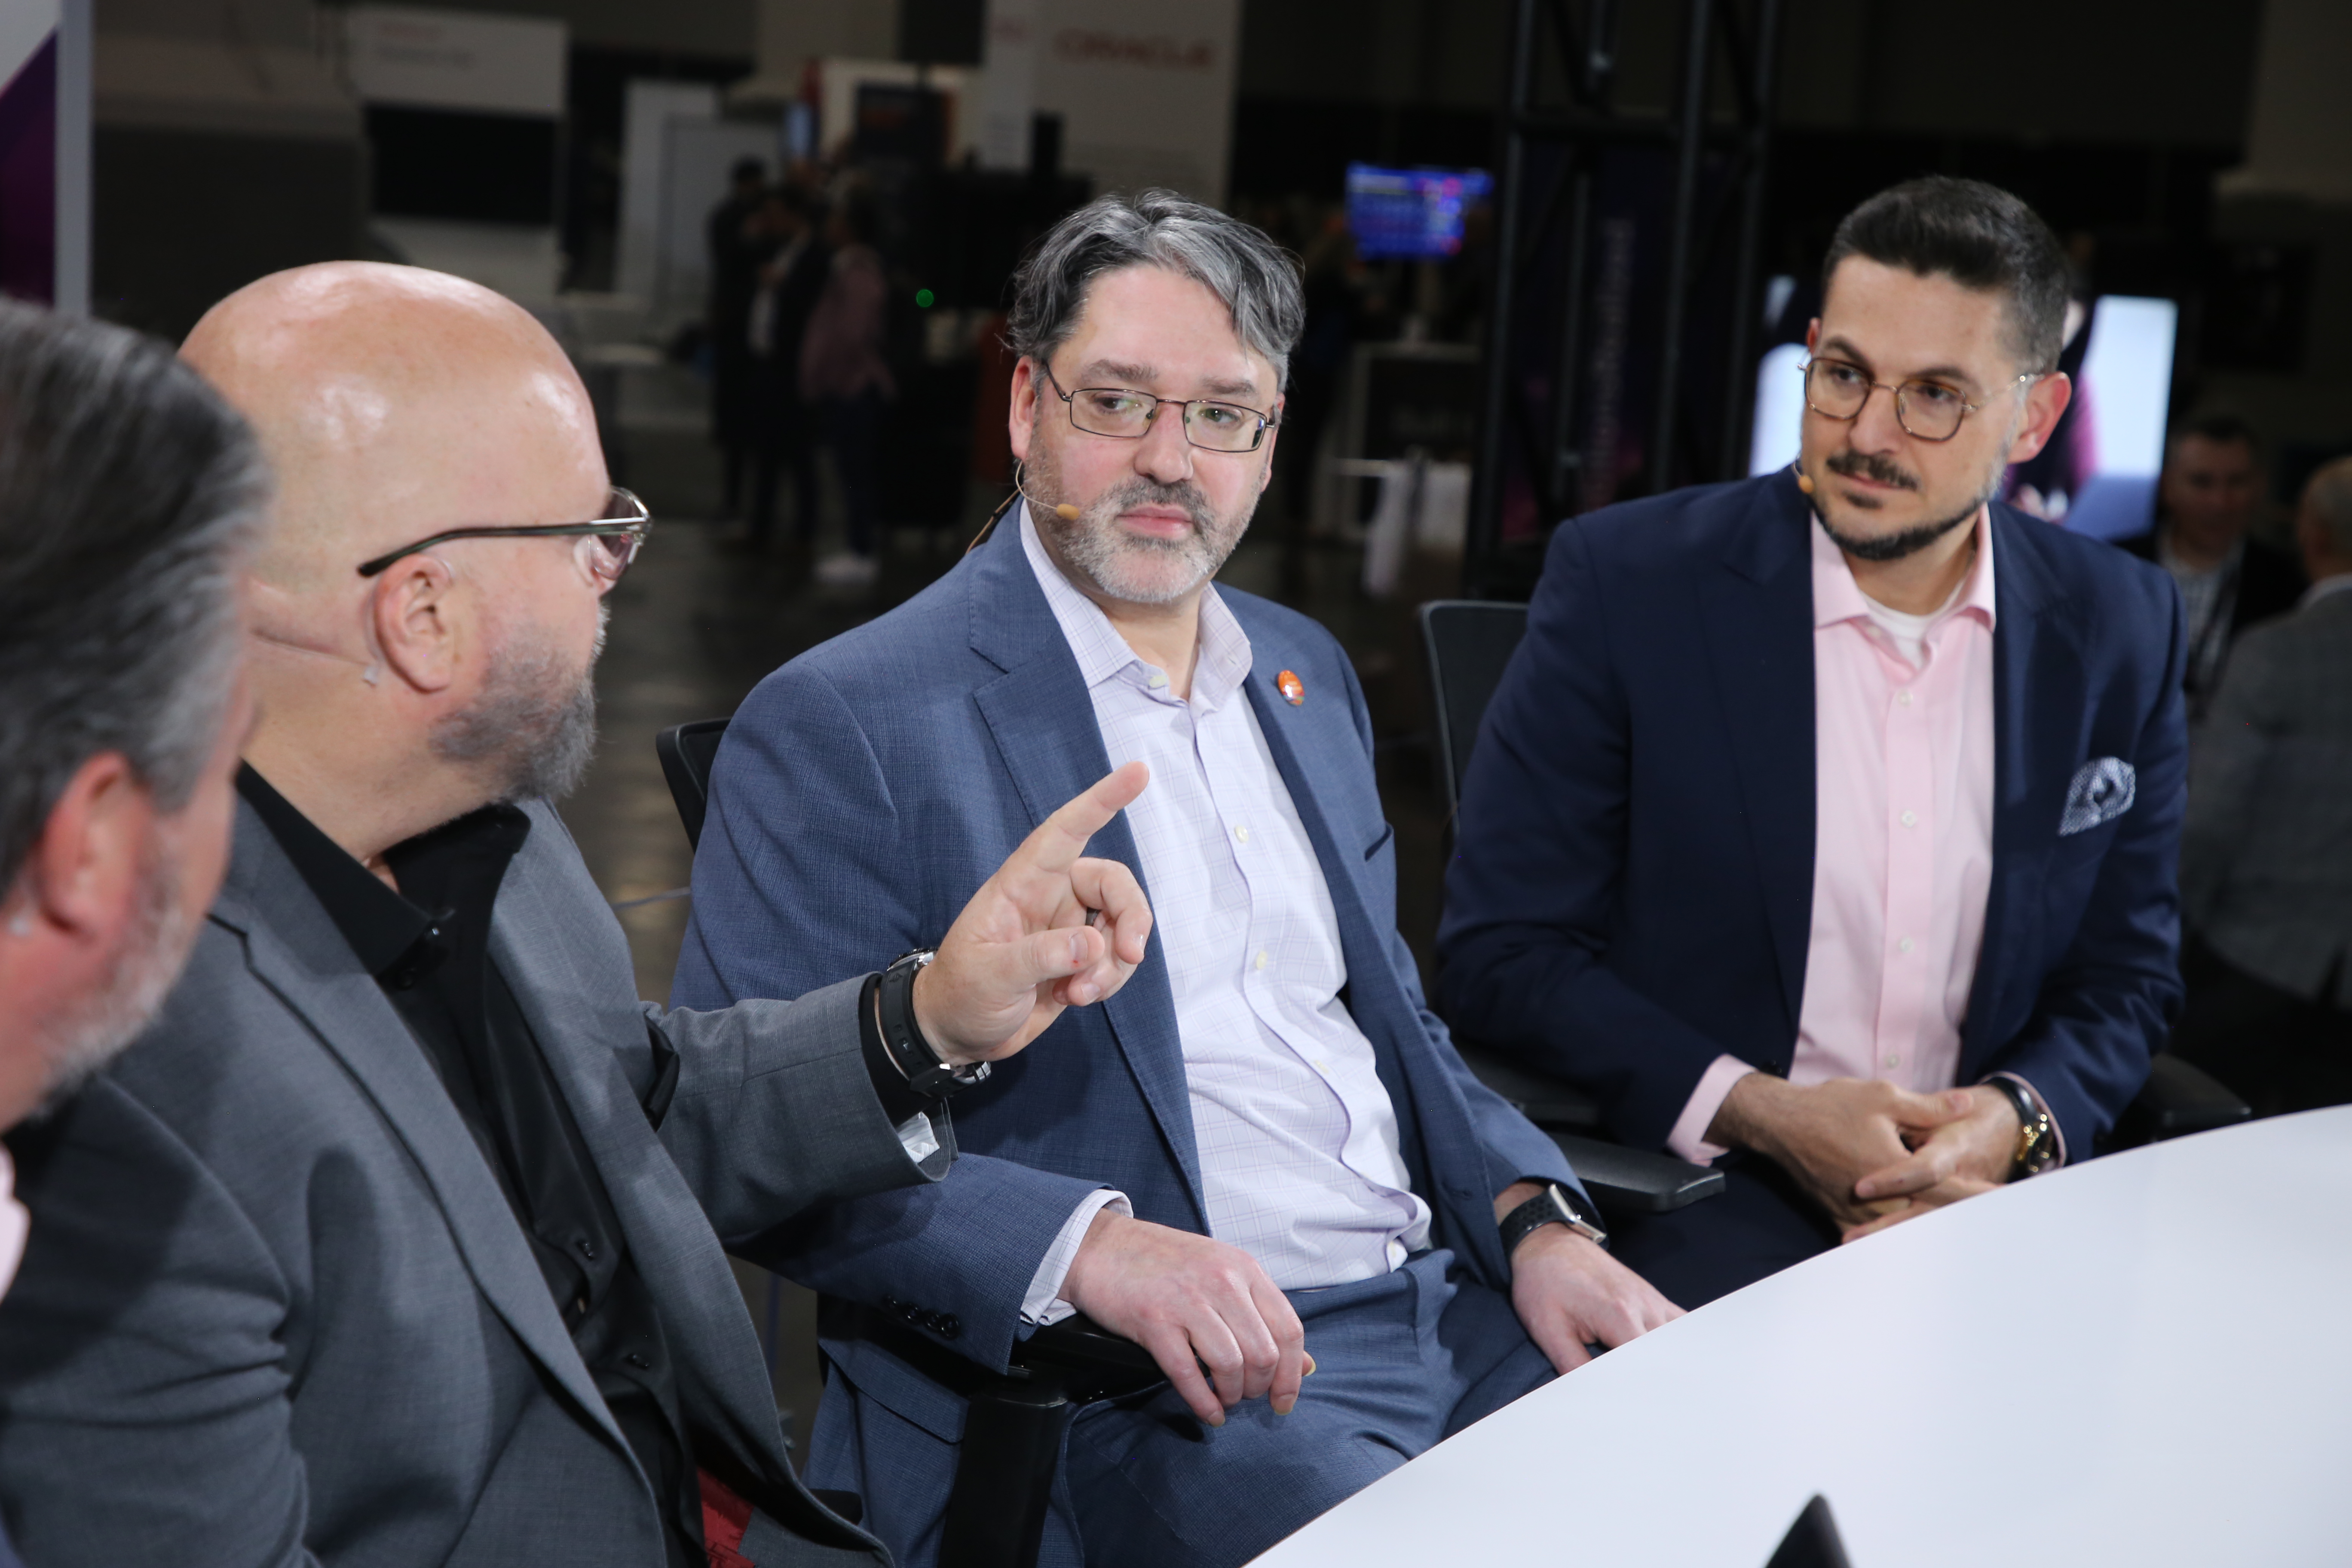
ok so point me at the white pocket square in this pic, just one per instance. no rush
(2103, 790)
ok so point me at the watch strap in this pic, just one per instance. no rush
(1555, 1204)
(928, 1073)
(2037, 1138)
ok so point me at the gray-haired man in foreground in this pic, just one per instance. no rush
(128, 493)
(393, 1241)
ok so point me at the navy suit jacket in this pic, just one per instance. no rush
(863, 793)
(1633, 891)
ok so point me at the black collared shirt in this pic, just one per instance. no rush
(429, 946)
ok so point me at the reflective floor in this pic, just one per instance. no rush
(695, 624)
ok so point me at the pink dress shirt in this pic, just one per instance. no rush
(1903, 842)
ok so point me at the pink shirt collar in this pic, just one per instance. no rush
(1837, 597)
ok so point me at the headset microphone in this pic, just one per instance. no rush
(1804, 481)
(1065, 511)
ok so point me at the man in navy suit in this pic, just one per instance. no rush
(1266, 1146)
(1825, 823)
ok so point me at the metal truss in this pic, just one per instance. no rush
(1558, 123)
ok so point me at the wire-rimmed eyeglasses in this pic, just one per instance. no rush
(1126, 415)
(1928, 410)
(608, 545)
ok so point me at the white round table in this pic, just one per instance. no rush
(2144, 1359)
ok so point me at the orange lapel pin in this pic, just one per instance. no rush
(1291, 686)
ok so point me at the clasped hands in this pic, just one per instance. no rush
(1870, 1153)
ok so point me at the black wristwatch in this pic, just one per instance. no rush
(926, 1072)
(2037, 1138)
(1555, 1204)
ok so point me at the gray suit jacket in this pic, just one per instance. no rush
(276, 1309)
(2266, 856)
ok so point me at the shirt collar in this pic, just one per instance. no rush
(382, 926)
(13, 1222)
(1103, 655)
(1837, 597)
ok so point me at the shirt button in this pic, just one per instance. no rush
(1159, 679)
(1261, 958)
(1241, 833)
(1910, 819)
(1893, 1061)
(1904, 697)
(1906, 945)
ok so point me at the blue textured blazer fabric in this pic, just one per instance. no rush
(863, 793)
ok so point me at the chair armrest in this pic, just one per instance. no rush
(1087, 1360)
(1626, 1182)
(1547, 1101)
(2177, 1099)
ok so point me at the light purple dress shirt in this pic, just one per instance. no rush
(1301, 1163)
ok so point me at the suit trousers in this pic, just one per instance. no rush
(1403, 1362)
(1759, 1223)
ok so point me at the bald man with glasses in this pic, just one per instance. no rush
(398, 1238)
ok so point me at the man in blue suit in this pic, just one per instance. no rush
(1827, 821)
(1266, 1145)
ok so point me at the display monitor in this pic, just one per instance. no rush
(2098, 474)
(1411, 213)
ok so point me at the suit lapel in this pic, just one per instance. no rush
(1373, 993)
(1757, 611)
(538, 939)
(1042, 721)
(293, 947)
(2038, 679)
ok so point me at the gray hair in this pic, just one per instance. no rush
(128, 493)
(1237, 262)
(2328, 494)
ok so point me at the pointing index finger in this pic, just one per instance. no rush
(1062, 837)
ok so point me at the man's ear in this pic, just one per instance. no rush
(2045, 400)
(1812, 334)
(1272, 432)
(1020, 418)
(81, 877)
(418, 622)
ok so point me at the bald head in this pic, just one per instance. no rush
(398, 405)
(396, 402)
(2325, 521)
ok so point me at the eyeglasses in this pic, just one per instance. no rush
(1928, 410)
(608, 546)
(1126, 415)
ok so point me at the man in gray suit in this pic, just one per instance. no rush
(128, 497)
(398, 1238)
(2266, 854)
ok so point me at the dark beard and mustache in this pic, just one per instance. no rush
(1908, 541)
(533, 728)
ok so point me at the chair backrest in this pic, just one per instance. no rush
(1468, 642)
(686, 752)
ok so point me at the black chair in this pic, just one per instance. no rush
(1012, 1420)
(1468, 642)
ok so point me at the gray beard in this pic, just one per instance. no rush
(533, 728)
(1121, 568)
(141, 974)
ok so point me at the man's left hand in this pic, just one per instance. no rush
(1957, 1160)
(1569, 1293)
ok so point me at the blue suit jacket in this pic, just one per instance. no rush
(862, 795)
(1633, 893)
